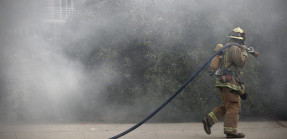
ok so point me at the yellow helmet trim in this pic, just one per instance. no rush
(238, 29)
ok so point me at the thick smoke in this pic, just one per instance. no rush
(39, 81)
(80, 70)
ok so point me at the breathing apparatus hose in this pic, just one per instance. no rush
(175, 94)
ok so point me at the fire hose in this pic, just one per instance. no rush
(249, 50)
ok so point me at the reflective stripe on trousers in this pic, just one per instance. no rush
(230, 130)
(213, 117)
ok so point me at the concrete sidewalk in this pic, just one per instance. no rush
(253, 130)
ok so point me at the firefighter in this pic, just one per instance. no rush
(230, 87)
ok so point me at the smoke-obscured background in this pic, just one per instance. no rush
(116, 61)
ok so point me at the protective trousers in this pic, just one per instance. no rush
(229, 109)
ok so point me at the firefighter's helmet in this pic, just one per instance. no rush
(237, 33)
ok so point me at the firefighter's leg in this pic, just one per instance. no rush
(219, 111)
(212, 118)
(232, 104)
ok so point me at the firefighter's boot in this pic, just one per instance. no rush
(208, 121)
(206, 125)
(238, 135)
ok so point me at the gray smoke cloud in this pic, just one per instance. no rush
(51, 72)
(38, 79)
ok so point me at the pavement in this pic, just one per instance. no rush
(252, 130)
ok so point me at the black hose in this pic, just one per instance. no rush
(175, 94)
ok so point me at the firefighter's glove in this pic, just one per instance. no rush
(244, 96)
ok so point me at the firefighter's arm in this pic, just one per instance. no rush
(239, 55)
